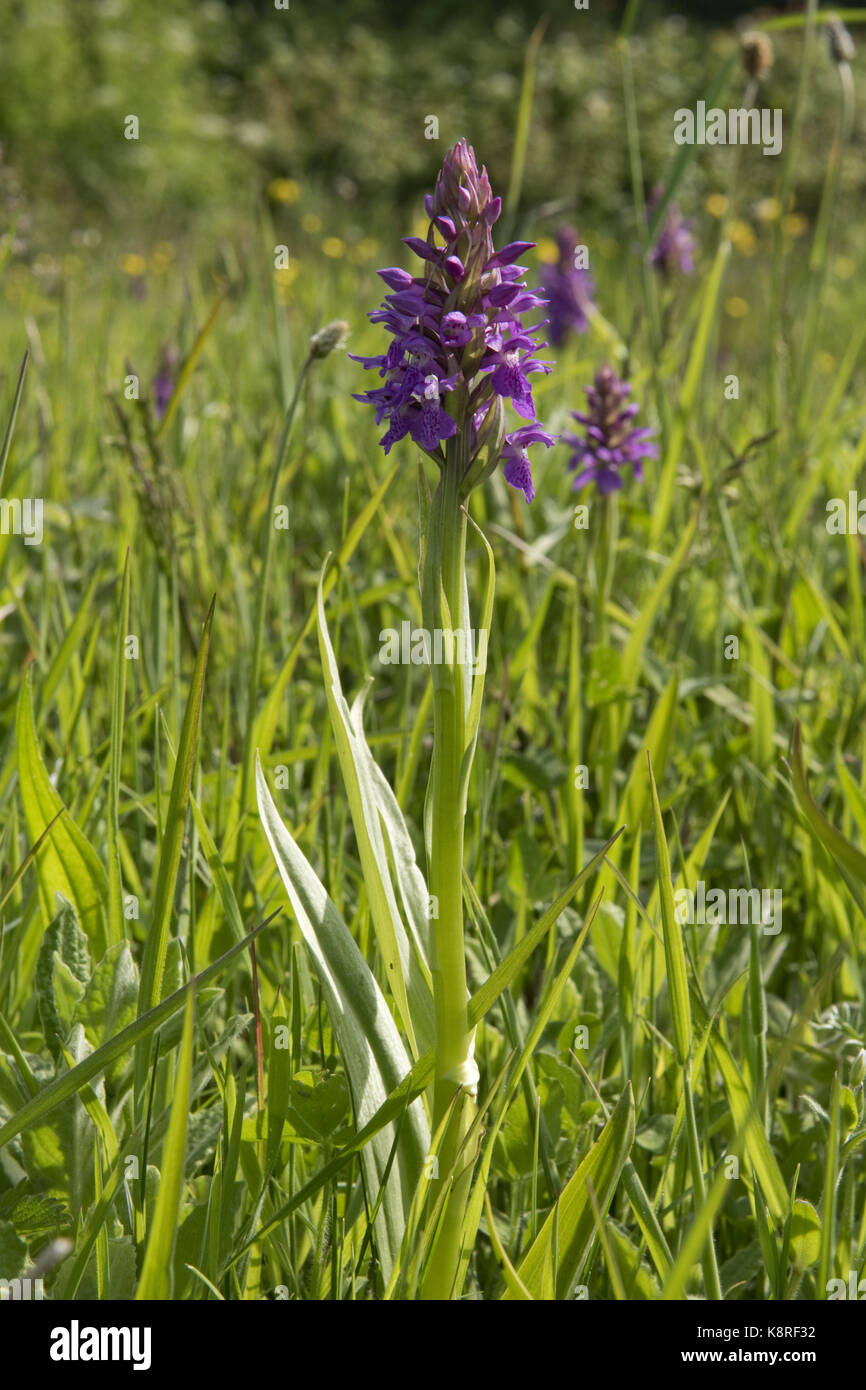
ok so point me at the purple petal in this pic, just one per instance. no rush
(509, 253)
(422, 248)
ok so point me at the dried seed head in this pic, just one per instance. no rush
(329, 338)
(842, 48)
(757, 54)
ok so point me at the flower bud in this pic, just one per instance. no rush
(757, 53)
(329, 338)
(857, 1070)
(491, 438)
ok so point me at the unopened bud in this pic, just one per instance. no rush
(757, 54)
(857, 1070)
(329, 338)
(489, 448)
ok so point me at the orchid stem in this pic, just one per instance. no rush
(445, 606)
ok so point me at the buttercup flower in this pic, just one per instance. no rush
(460, 346)
(611, 442)
(675, 248)
(569, 289)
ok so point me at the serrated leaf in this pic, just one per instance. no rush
(13, 1252)
(62, 970)
(69, 1083)
(110, 999)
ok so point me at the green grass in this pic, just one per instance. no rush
(705, 1078)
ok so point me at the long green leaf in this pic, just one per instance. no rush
(419, 1078)
(382, 840)
(572, 1219)
(373, 1054)
(675, 956)
(153, 961)
(156, 1272)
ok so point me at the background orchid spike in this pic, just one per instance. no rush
(568, 288)
(675, 247)
(460, 346)
(611, 441)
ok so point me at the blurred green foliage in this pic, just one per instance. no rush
(335, 96)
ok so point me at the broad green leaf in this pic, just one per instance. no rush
(13, 1251)
(62, 971)
(573, 1218)
(70, 1082)
(66, 864)
(805, 1233)
(419, 1078)
(757, 1144)
(370, 1045)
(110, 1000)
(402, 928)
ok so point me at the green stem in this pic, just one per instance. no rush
(445, 607)
(258, 641)
(712, 1283)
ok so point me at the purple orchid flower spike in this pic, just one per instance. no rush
(611, 442)
(569, 288)
(459, 345)
(676, 247)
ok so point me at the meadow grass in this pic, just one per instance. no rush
(174, 1098)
